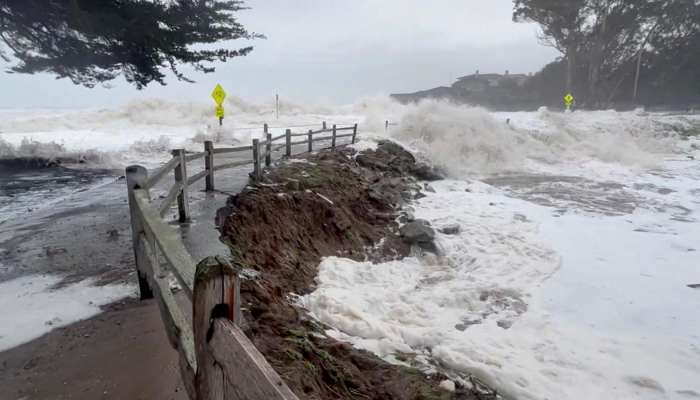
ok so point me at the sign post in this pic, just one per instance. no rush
(568, 101)
(219, 95)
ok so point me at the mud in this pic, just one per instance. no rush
(330, 203)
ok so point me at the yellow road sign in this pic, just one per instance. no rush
(219, 111)
(219, 94)
(568, 99)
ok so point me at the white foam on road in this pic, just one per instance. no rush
(31, 307)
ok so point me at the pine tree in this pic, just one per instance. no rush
(95, 41)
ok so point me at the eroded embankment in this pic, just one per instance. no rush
(327, 204)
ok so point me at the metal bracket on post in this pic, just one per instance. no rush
(136, 177)
(333, 138)
(268, 146)
(288, 135)
(209, 165)
(183, 204)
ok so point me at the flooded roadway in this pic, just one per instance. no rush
(74, 222)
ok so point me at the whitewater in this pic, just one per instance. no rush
(572, 274)
(569, 276)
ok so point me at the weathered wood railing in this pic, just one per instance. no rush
(217, 360)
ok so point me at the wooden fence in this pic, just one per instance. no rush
(217, 360)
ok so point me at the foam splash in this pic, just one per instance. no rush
(467, 140)
(462, 139)
(47, 153)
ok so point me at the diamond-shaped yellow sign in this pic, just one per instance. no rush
(219, 95)
(568, 99)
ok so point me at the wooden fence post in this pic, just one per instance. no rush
(256, 159)
(333, 138)
(183, 206)
(209, 165)
(324, 125)
(288, 134)
(354, 133)
(311, 140)
(216, 295)
(386, 126)
(268, 146)
(136, 177)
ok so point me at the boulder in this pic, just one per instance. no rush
(400, 155)
(425, 172)
(406, 217)
(418, 232)
(385, 191)
(369, 161)
(292, 185)
(451, 229)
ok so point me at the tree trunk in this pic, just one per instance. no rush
(596, 60)
(636, 76)
(635, 93)
(570, 67)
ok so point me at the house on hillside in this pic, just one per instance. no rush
(495, 91)
(482, 82)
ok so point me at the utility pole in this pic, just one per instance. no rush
(277, 106)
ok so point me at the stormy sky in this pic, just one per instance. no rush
(333, 51)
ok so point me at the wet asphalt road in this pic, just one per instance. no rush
(75, 223)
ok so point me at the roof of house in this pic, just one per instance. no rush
(491, 76)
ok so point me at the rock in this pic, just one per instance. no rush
(394, 149)
(419, 196)
(418, 232)
(428, 188)
(293, 185)
(504, 323)
(383, 191)
(367, 161)
(466, 324)
(694, 286)
(406, 217)
(425, 172)
(371, 161)
(448, 385)
(451, 229)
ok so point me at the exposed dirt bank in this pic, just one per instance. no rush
(331, 203)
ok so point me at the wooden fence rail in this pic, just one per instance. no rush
(217, 360)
